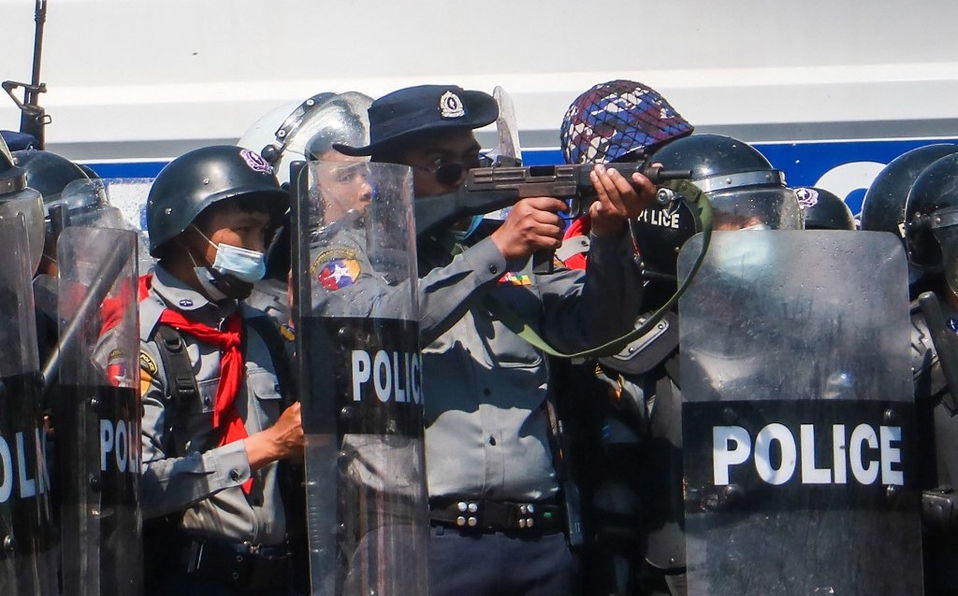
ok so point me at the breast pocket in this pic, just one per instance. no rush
(264, 386)
(502, 347)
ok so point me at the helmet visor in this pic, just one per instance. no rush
(947, 237)
(775, 208)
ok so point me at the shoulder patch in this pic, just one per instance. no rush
(336, 268)
(147, 363)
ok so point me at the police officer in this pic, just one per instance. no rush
(883, 208)
(301, 132)
(745, 193)
(215, 422)
(494, 495)
(613, 122)
(931, 242)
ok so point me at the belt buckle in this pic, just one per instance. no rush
(469, 514)
(526, 516)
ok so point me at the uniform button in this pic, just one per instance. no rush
(486, 391)
(492, 441)
(207, 402)
(234, 475)
(493, 269)
(276, 387)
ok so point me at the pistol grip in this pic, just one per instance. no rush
(543, 261)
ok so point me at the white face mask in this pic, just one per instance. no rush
(244, 265)
(205, 278)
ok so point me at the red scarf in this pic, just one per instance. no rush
(231, 366)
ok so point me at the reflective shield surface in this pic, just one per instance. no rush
(798, 415)
(96, 412)
(357, 333)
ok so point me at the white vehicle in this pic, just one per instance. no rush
(829, 91)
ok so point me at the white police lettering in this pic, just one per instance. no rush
(658, 217)
(733, 446)
(119, 446)
(17, 469)
(391, 376)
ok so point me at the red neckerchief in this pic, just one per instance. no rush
(231, 366)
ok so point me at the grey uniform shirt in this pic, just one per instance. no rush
(484, 388)
(186, 470)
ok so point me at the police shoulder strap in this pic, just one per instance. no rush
(179, 372)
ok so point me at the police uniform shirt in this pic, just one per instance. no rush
(487, 432)
(192, 473)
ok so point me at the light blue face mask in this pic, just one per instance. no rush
(461, 235)
(244, 265)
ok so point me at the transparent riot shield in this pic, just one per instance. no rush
(96, 412)
(31, 208)
(86, 200)
(28, 550)
(357, 330)
(798, 422)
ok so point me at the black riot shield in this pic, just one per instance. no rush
(28, 548)
(798, 422)
(96, 412)
(357, 337)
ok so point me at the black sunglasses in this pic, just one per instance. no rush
(448, 174)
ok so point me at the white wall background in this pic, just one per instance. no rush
(151, 78)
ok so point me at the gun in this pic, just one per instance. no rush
(488, 189)
(33, 118)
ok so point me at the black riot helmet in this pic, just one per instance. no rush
(931, 220)
(824, 210)
(61, 182)
(194, 181)
(50, 173)
(744, 189)
(883, 208)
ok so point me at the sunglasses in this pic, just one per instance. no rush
(448, 173)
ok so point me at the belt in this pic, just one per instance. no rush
(245, 566)
(542, 517)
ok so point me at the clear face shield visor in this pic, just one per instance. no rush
(312, 128)
(757, 200)
(756, 208)
(945, 228)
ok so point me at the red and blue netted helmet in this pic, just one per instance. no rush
(614, 119)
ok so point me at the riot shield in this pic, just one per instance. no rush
(798, 421)
(86, 200)
(31, 207)
(357, 336)
(28, 554)
(96, 412)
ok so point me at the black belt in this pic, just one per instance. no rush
(245, 566)
(483, 515)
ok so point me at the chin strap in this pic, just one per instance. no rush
(688, 192)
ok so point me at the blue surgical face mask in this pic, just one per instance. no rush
(461, 235)
(244, 265)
